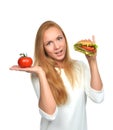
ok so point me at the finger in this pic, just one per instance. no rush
(16, 67)
(93, 38)
(13, 67)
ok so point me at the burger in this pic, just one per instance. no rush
(86, 46)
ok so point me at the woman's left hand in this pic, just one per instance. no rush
(92, 58)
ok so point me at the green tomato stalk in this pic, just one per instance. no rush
(23, 55)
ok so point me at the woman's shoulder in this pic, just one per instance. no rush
(80, 62)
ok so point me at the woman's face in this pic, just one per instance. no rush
(54, 44)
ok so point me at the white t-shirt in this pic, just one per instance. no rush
(72, 115)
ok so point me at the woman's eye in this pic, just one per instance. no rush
(59, 38)
(48, 43)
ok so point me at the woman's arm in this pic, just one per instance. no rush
(46, 101)
(96, 82)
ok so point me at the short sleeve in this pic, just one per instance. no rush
(48, 116)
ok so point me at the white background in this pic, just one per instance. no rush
(19, 21)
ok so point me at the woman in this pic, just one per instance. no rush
(62, 84)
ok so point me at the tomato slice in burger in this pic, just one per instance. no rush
(89, 48)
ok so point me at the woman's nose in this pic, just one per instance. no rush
(56, 45)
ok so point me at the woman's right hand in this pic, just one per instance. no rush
(33, 69)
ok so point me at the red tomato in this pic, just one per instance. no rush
(25, 61)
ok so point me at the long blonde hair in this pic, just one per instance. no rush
(40, 58)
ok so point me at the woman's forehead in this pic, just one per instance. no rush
(52, 32)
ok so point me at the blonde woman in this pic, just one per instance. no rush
(62, 84)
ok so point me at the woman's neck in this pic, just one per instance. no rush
(59, 65)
